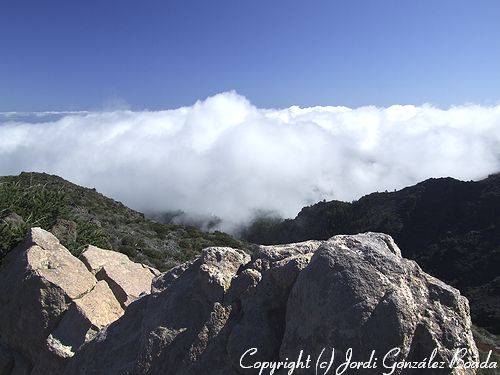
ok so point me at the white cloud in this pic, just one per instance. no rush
(225, 157)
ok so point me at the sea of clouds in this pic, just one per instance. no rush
(225, 157)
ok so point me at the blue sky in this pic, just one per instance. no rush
(87, 55)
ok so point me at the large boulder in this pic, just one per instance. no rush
(348, 292)
(51, 304)
(376, 300)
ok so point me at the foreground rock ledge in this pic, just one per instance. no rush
(348, 292)
(51, 303)
(62, 315)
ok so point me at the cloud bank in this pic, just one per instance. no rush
(225, 157)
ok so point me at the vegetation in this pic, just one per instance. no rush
(79, 216)
(451, 228)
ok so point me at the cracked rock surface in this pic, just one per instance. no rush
(347, 292)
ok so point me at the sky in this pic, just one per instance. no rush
(91, 55)
(232, 108)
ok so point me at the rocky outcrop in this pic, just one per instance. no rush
(96, 315)
(51, 304)
(347, 292)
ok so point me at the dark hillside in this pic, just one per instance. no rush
(79, 216)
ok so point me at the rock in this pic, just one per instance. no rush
(38, 281)
(166, 332)
(85, 318)
(279, 252)
(358, 292)
(349, 291)
(127, 280)
(261, 321)
(163, 281)
(50, 305)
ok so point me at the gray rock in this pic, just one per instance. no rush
(348, 292)
(51, 304)
(167, 332)
(358, 292)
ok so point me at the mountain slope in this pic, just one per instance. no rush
(80, 216)
(450, 227)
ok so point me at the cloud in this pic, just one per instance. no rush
(225, 157)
